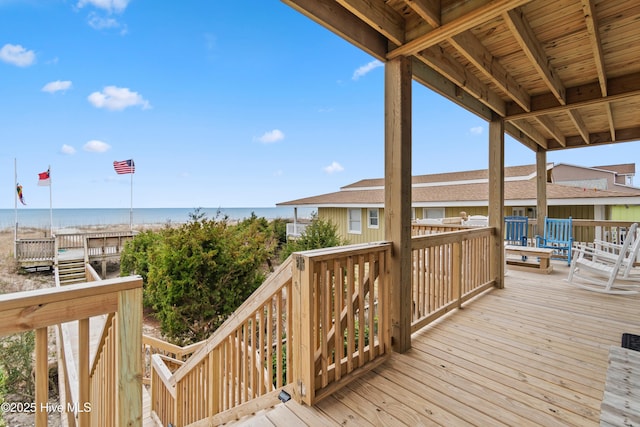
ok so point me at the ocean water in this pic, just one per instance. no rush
(68, 218)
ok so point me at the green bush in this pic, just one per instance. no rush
(3, 391)
(197, 274)
(318, 234)
(16, 362)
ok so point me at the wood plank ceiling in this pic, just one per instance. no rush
(562, 73)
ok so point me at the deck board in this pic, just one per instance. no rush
(532, 354)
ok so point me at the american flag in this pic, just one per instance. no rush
(124, 166)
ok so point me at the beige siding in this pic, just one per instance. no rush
(575, 212)
(338, 216)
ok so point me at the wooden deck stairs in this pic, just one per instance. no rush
(71, 271)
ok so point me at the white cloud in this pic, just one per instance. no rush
(56, 86)
(67, 149)
(333, 167)
(365, 69)
(117, 98)
(271, 137)
(117, 6)
(100, 23)
(96, 146)
(17, 55)
(476, 130)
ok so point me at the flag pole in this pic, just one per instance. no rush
(131, 206)
(50, 204)
(15, 206)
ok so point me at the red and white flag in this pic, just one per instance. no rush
(124, 166)
(44, 178)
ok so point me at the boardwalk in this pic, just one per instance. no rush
(534, 353)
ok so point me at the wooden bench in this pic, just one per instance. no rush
(529, 258)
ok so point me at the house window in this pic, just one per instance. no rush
(432, 213)
(374, 218)
(518, 212)
(355, 221)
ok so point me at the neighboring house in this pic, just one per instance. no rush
(602, 193)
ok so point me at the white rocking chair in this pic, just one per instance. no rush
(610, 265)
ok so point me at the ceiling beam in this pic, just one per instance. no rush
(551, 127)
(527, 129)
(445, 64)
(471, 48)
(429, 10)
(579, 123)
(532, 48)
(580, 96)
(591, 21)
(340, 21)
(478, 16)
(598, 138)
(435, 81)
(379, 16)
(589, 11)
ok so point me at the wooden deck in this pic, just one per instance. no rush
(534, 353)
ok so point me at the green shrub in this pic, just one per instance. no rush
(197, 274)
(16, 362)
(317, 235)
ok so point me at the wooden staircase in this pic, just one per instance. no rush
(71, 271)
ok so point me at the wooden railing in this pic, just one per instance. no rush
(247, 357)
(152, 345)
(36, 310)
(35, 251)
(448, 269)
(42, 251)
(341, 316)
(316, 322)
(77, 240)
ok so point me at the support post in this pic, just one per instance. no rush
(496, 198)
(128, 361)
(302, 303)
(42, 377)
(541, 187)
(83, 372)
(397, 203)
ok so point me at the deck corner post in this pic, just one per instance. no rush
(128, 361)
(397, 199)
(496, 199)
(302, 334)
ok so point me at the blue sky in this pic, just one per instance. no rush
(220, 104)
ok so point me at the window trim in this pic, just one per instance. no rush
(377, 218)
(359, 220)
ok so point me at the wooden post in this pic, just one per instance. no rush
(397, 203)
(456, 272)
(83, 372)
(128, 363)
(541, 186)
(303, 363)
(496, 198)
(42, 377)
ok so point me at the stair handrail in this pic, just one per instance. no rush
(248, 375)
(274, 283)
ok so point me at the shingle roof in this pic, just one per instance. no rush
(509, 172)
(371, 191)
